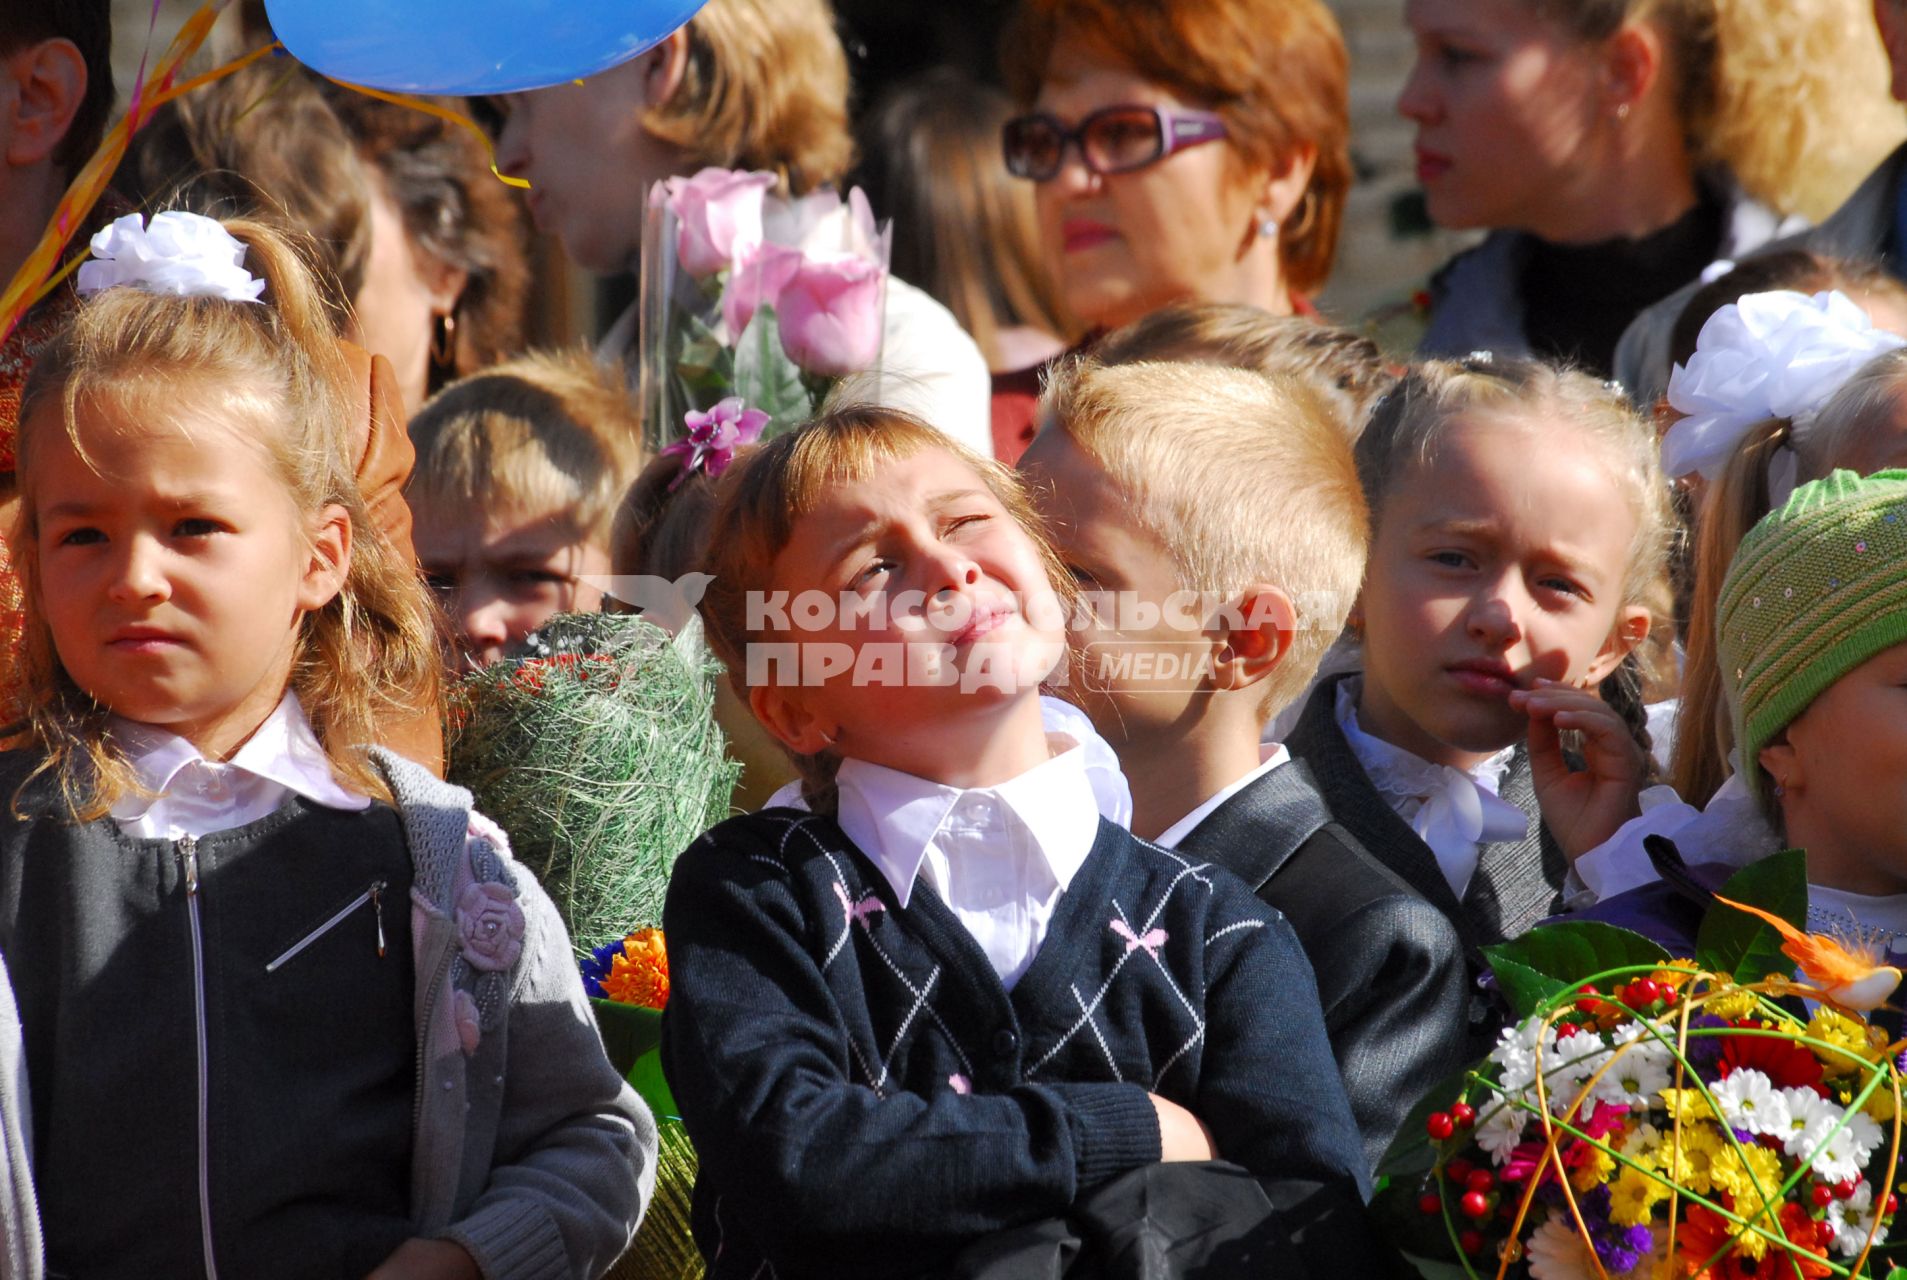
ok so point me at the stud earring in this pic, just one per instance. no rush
(1622, 111)
(1268, 229)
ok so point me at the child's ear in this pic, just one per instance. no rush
(1782, 763)
(1256, 636)
(330, 559)
(1631, 629)
(789, 720)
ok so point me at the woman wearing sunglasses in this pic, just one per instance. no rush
(1606, 144)
(1182, 149)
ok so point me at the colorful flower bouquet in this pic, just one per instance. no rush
(1698, 1119)
(754, 299)
(628, 983)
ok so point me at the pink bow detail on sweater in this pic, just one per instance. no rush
(858, 911)
(1151, 941)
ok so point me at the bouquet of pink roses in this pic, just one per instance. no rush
(753, 306)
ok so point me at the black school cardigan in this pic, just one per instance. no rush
(865, 1096)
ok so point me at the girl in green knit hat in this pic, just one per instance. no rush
(1811, 632)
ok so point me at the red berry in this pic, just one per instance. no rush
(1471, 1242)
(1893, 1203)
(1825, 1233)
(1474, 1204)
(1458, 1170)
(1641, 993)
(1669, 995)
(1464, 1114)
(1440, 1126)
(1480, 1180)
(1844, 1188)
(1429, 1203)
(1822, 1196)
(1564, 1030)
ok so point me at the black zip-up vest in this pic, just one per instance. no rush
(220, 1042)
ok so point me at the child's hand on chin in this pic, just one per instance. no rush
(1182, 1135)
(1584, 807)
(428, 1260)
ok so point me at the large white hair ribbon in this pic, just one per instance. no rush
(184, 254)
(1771, 355)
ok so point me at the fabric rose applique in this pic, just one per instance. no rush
(490, 926)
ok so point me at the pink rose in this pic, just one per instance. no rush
(830, 314)
(757, 281)
(463, 1009)
(718, 217)
(491, 925)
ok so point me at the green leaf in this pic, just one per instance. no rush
(628, 1031)
(1735, 942)
(1554, 957)
(650, 1084)
(767, 379)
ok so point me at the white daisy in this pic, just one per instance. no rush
(1749, 1101)
(1501, 1128)
(1640, 1071)
(1852, 1219)
(1844, 1155)
(1810, 1116)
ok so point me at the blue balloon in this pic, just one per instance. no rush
(471, 46)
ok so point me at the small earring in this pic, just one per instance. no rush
(1622, 111)
(827, 740)
(443, 342)
(1268, 229)
(1780, 790)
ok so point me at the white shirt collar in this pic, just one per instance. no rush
(894, 817)
(284, 750)
(1454, 811)
(1110, 791)
(1270, 756)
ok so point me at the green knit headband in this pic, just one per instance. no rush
(1816, 589)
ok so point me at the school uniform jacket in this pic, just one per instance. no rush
(1516, 883)
(1401, 1007)
(866, 1097)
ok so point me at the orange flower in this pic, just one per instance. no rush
(640, 975)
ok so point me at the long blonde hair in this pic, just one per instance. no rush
(365, 657)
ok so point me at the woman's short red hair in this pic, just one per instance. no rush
(1275, 70)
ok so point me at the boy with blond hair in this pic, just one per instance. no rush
(1216, 524)
(520, 470)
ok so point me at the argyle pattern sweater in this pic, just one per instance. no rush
(865, 1096)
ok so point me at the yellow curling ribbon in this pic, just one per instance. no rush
(457, 118)
(41, 273)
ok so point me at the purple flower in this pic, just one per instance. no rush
(1705, 1052)
(597, 967)
(714, 437)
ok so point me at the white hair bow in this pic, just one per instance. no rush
(183, 254)
(1772, 355)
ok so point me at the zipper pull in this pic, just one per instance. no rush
(377, 910)
(189, 858)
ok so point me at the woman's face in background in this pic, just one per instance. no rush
(1125, 244)
(1508, 109)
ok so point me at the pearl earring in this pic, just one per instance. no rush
(1268, 229)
